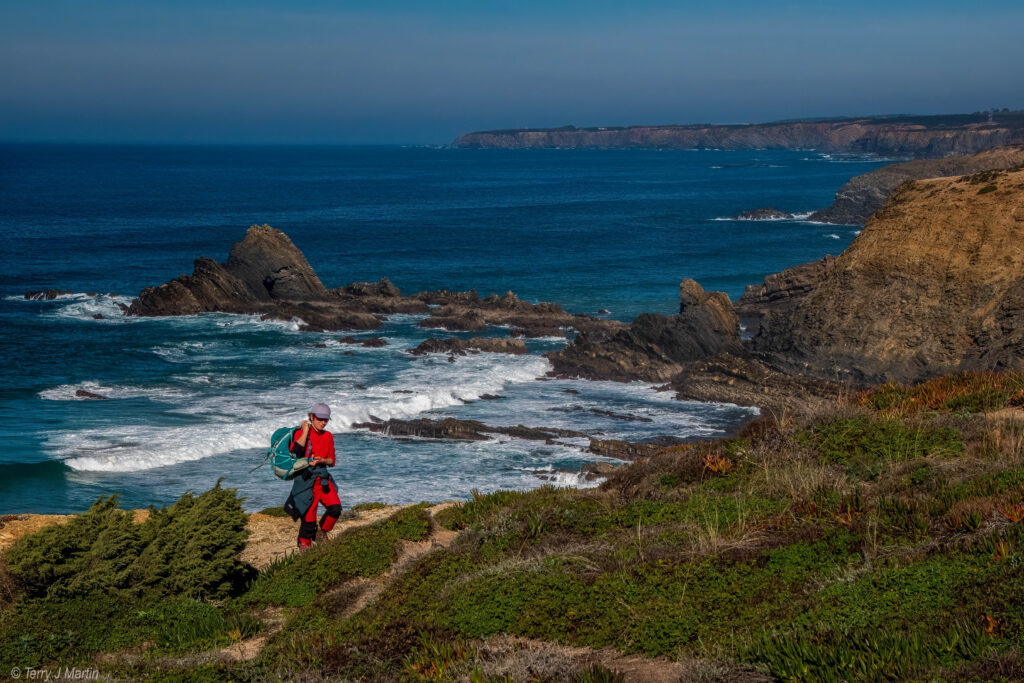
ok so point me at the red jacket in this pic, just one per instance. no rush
(318, 445)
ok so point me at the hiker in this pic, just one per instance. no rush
(314, 485)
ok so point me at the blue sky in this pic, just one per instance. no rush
(423, 72)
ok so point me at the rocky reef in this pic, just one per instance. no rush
(911, 136)
(765, 214)
(265, 274)
(865, 194)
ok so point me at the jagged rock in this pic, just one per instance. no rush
(82, 393)
(602, 413)
(464, 322)
(865, 194)
(46, 294)
(262, 268)
(535, 331)
(766, 214)
(597, 470)
(272, 267)
(461, 346)
(623, 450)
(369, 342)
(98, 316)
(783, 290)
(381, 288)
(933, 285)
(655, 347)
(726, 378)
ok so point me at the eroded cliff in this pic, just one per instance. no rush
(934, 284)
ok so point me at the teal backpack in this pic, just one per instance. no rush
(283, 463)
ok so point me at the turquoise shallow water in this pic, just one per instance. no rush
(194, 399)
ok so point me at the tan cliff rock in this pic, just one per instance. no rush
(862, 195)
(934, 284)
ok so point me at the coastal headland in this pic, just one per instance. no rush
(908, 136)
(869, 526)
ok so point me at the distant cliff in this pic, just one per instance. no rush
(913, 136)
(864, 194)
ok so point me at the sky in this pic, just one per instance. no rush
(401, 72)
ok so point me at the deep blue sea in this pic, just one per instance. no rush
(195, 399)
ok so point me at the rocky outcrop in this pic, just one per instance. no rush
(475, 345)
(468, 312)
(655, 347)
(46, 294)
(463, 430)
(912, 136)
(865, 194)
(934, 284)
(765, 214)
(782, 291)
(747, 381)
(266, 275)
(263, 269)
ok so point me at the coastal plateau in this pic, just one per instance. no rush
(908, 136)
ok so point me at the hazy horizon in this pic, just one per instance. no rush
(405, 73)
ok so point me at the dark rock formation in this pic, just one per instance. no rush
(82, 393)
(465, 430)
(262, 268)
(467, 312)
(369, 342)
(477, 344)
(656, 347)
(781, 291)
(865, 194)
(47, 294)
(934, 284)
(766, 214)
(623, 450)
(381, 288)
(910, 136)
(749, 382)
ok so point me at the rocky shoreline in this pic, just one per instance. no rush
(934, 284)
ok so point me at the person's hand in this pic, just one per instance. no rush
(305, 426)
(313, 462)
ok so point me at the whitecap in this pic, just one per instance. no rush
(833, 236)
(67, 392)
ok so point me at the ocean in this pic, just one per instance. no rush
(193, 400)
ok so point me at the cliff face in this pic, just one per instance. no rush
(934, 284)
(864, 194)
(922, 137)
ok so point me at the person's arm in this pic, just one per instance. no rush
(299, 441)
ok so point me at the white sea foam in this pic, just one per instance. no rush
(225, 428)
(66, 392)
(86, 307)
(833, 236)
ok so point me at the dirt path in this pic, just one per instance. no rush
(274, 537)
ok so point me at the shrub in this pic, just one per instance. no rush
(188, 549)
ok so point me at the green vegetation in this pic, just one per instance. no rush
(882, 539)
